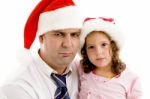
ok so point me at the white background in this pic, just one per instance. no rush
(132, 16)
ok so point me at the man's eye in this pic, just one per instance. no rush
(75, 34)
(58, 34)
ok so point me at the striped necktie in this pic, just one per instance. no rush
(61, 91)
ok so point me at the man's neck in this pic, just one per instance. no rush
(59, 69)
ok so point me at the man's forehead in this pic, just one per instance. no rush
(69, 30)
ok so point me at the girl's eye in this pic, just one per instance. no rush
(104, 44)
(90, 47)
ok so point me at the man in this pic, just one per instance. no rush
(50, 72)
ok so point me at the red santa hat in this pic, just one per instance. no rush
(102, 24)
(51, 15)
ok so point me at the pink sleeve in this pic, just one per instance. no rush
(135, 91)
(79, 68)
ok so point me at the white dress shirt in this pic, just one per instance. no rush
(34, 81)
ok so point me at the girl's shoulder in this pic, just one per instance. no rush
(129, 74)
(127, 78)
(132, 83)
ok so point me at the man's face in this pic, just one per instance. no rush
(59, 47)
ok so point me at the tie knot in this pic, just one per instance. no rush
(60, 80)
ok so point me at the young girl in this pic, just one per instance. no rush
(102, 74)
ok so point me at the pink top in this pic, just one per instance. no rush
(124, 86)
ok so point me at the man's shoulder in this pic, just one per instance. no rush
(21, 82)
(24, 74)
(14, 91)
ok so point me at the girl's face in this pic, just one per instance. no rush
(98, 49)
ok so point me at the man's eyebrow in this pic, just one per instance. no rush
(76, 32)
(65, 32)
(79, 32)
(57, 31)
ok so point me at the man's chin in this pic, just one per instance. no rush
(67, 60)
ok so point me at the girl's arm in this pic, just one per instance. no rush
(135, 91)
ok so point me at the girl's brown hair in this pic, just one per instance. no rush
(117, 65)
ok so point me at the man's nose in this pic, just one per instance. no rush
(67, 41)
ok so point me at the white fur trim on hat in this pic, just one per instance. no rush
(100, 25)
(67, 17)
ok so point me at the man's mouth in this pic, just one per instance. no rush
(66, 54)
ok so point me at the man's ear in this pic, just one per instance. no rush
(41, 39)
